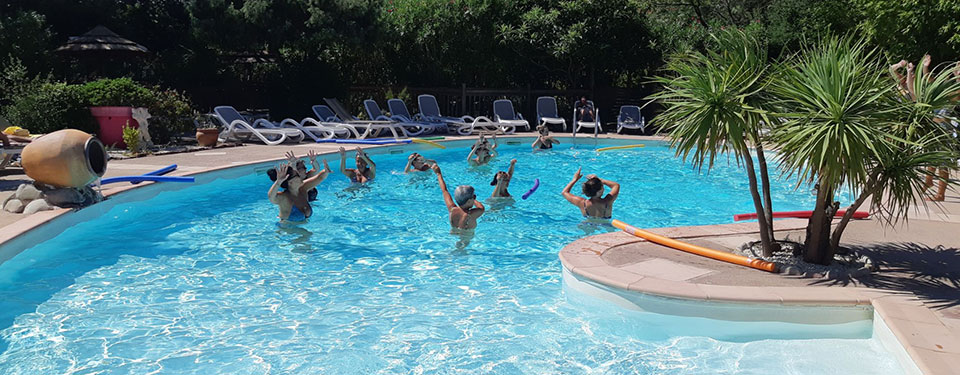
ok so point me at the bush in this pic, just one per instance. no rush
(48, 107)
(120, 92)
(172, 114)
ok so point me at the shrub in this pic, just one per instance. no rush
(121, 92)
(48, 107)
(172, 114)
(131, 136)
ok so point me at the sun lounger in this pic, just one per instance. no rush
(630, 118)
(370, 126)
(595, 124)
(398, 110)
(237, 127)
(374, 113)
(504, 114)
(547, 112)
(465, 125)
(8, 150)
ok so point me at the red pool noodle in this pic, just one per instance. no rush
(798, 214)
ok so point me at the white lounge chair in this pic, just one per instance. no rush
(504, 114)
(369, 126)
(413, 129)
(237, 127)
(547, 112)
(464, 125)
(8, 150)
(398, 109)
(630, 118)
(595, 124)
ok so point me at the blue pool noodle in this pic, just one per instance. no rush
(158, 172)
(374, 141)
(145, 178)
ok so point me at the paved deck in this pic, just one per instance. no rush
(915, 292)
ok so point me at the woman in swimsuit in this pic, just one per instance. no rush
(294, 200)
(501, 182)
(366, 169)
(482, 152)
(417, 163)
(544, 140)
(595, 205)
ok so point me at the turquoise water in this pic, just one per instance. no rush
(201, 281)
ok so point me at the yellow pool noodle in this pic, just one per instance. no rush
(426, 142)
(620, 147)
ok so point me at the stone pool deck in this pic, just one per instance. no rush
(917, 291)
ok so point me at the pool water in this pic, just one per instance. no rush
(201, 281)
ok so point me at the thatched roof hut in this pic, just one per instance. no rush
(101, 40)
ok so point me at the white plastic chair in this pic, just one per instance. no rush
(547, 112)
(504, 114)
(595, 124)
(630, 118)
(237, 127)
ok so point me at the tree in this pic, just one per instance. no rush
(715, 102)
(846, 126)
(911, 28)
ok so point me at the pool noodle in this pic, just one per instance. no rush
(536, 184)
(620, 147)
(145, 178)
(159, 172)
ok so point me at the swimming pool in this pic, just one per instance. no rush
(200, 280)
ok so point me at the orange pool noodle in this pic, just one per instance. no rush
(698, 250)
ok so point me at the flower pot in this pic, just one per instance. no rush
(65, 158)
(112, 120)
(207, 137)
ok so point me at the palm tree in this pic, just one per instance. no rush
(715, 104)
(847, 127)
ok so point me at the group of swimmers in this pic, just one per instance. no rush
(299, 185)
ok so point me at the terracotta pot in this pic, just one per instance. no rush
(207, 137)
(112, 120)
(65, 158)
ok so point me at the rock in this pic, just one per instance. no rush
(812, 275)
(27, 192)
(72, 198)
(13, 205)
(35, 206)
(790, 270)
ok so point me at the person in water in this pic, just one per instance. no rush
(544, 140)
(417, 163)
(481, 152)
(463, 207)
(501, 181)
(296, 182)
(366, 169)
(595, 205)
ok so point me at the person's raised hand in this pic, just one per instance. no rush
(577, 175)
(436, 168)
(312, 155)
(291, 157)
(282, 171)
(342, 152)
(513, 161)
(326, 166)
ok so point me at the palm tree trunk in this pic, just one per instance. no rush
(817, 242)
(765, 240)
(767, 200)
(838, 231)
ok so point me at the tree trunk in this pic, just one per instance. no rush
(765, 240)
(817, 243)
(767, 200)
(838, 231)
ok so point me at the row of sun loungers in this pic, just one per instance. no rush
(333, 120)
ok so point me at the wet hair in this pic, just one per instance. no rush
(462, 194)
(543, 129)
(272, 173)
(496, 177)
(592, 186)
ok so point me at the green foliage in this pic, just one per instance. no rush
(911, 28)
(25, 35)
(131, 137)
(172, 113)
(49, 107)
(121, 92)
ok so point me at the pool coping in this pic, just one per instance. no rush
(905, 315)
(932, 345)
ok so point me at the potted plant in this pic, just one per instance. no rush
(111, 103)
(207, 132)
